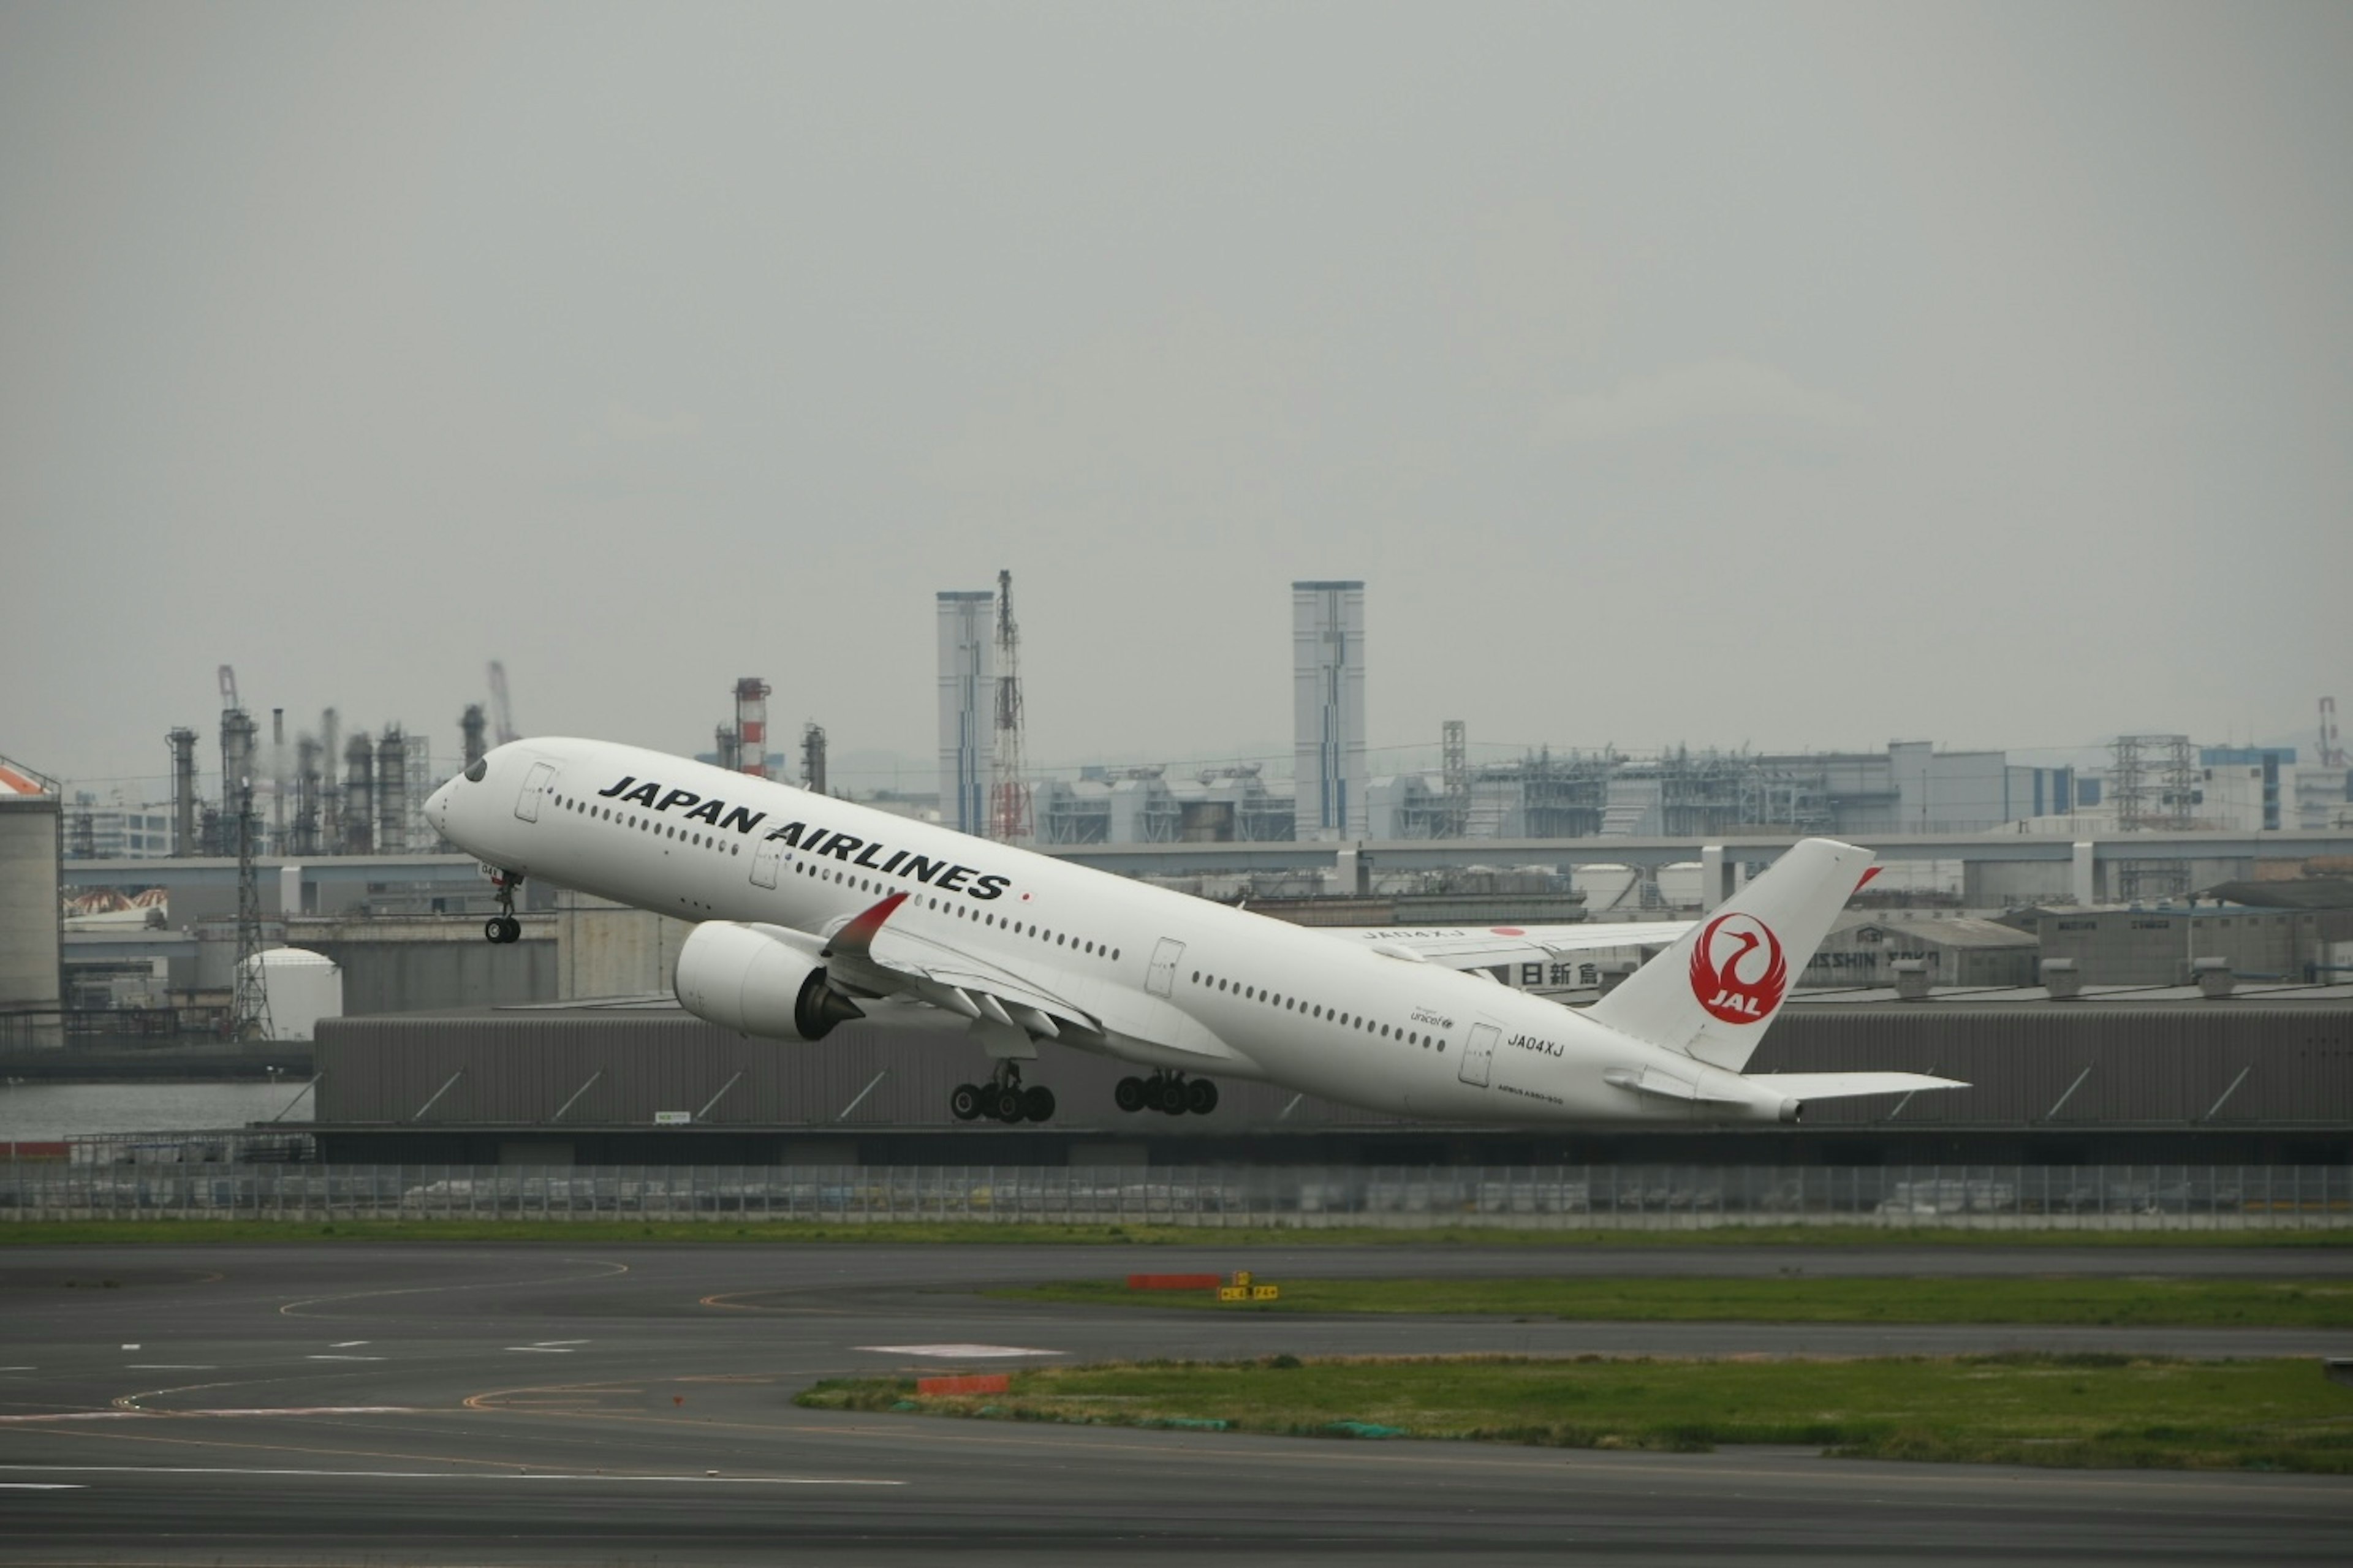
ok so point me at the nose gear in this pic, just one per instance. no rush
(503, 927)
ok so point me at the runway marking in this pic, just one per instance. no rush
(552, 1343)
(541, 1350)
(958, 1352)
(174, 1414)
(20, 1369)
(342, 1358)
(605, 1272)
(346, 1345)
(40, 1486)
(171, 1366)
(707, 1480)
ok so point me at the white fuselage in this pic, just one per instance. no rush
(1179, 982)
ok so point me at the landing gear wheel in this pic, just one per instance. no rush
(1172, 1097)
(1201, 1097)
(503, 927)
(1005, 1104)
(964, 1102)
(1128, 1095)
(1038, 1104)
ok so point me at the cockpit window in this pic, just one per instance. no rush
(475, 772)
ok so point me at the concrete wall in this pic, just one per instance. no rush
(427, 965)
(610, 950)
(30, 922)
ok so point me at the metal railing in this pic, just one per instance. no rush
(1566, 1197)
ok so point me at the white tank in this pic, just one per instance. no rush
(303, 988)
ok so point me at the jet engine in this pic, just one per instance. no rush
(741, 978)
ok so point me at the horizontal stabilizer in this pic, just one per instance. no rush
(1846, 1085)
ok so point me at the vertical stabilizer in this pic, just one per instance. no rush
(1712, 993)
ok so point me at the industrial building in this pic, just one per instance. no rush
(967, 704)
(31, 967)
(1327, 686)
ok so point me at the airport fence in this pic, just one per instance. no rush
(2102, 1197)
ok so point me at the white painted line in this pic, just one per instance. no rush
(553, 1342)
(540, 1350)
(20, 1369)
(346, 1345)
(342, 1358)
(130, 1347)
(169, 1366)
(175, 1415)
(958, 1352)
(40, 1485)
(451, 1476)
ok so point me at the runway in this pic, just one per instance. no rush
(616, 1404)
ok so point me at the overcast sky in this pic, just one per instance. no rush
(1791, 375)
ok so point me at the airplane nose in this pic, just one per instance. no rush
(436, 807)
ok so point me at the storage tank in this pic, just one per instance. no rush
(303, 988)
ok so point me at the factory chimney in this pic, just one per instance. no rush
(751, 726)
(183, 742)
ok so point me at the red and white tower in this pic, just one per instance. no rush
(751, 726)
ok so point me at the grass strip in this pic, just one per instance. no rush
(729, 1229)
(1788, 1298)
(2069, 1411)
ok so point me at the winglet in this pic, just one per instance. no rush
(854, 939)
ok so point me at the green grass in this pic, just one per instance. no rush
(2049, 1410)
(722, 1229)
(1789, 1298)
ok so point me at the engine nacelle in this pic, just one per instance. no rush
(740, 978)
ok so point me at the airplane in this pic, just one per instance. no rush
(809, 909)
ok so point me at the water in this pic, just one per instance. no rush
(39, 1111)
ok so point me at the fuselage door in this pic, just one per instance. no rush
(1478, 1051)
(763, 863)
(1161, 978)
(534, 784)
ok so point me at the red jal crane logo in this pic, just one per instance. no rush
(1737, 971)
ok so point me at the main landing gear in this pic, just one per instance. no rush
(1172, 1094)
(503, 927)
(1003, 1097)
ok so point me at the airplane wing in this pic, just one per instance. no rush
(1483, 947)
(868, 955)
(864, 956)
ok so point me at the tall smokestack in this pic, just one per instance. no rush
(751, 726)
(183, 742)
